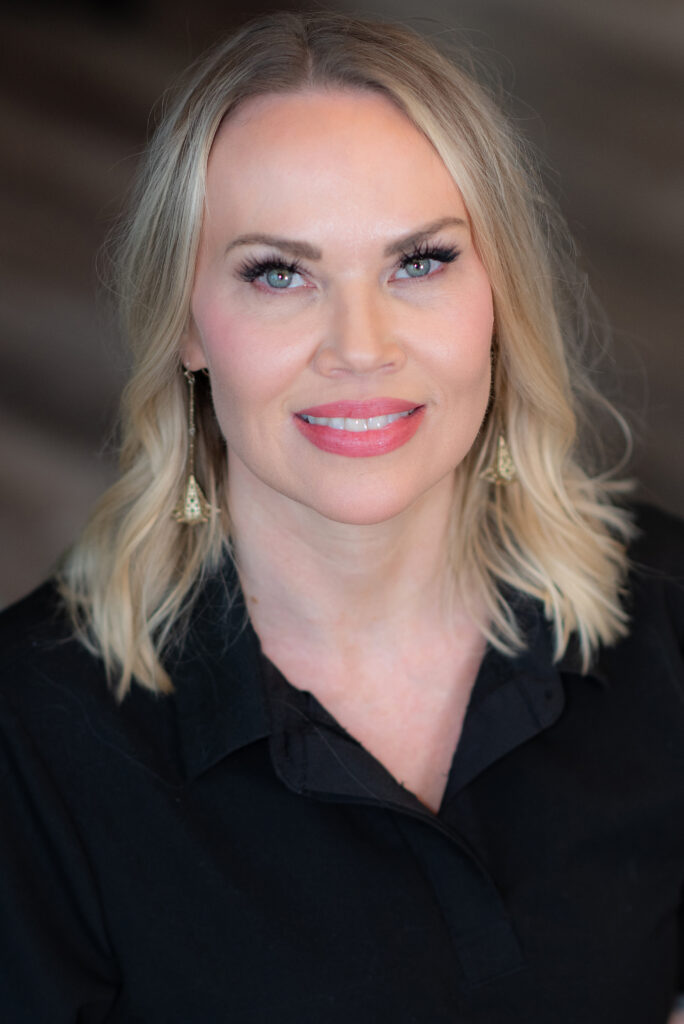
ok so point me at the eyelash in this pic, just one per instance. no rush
(429, 251)
(255, 268)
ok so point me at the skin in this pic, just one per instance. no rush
(344, 559)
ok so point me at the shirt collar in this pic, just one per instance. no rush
(217, 677)
(221, 679)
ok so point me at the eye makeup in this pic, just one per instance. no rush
(257, 267)
(430, 251)
(254, 268)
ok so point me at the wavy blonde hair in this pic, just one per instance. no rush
(554, 534)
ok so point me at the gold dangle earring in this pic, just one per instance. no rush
(193, 507)
(502, 469)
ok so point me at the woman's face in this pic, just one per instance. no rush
(340, 307)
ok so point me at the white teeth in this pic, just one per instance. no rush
(356, 425)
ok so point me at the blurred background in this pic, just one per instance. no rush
(597, 85)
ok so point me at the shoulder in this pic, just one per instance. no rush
(658, 548)
(38, 646)
(72, 758)
(51, 687)
(55, 701)
(37, 617)
(656, 561)
(650, 656)
(47, 878)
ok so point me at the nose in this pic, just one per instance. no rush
(361, 335)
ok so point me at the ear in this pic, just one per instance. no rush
(191, 348)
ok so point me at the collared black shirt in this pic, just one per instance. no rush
(231, 854)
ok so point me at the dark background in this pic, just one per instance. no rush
(599, 87)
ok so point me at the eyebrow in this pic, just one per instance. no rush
(408, 242)
(302, 249)
(310, 252)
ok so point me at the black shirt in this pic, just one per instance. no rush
(231, 854)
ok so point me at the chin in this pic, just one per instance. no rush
(356, 517)
(361, 510)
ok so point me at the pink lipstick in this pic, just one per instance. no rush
(360, 429)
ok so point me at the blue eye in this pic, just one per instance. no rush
(279, 277)
(425, 261)
(419, 267)
(273, 273)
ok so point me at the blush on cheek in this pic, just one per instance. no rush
(224, 340)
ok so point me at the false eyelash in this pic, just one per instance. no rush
(254, 268)
(430, 251)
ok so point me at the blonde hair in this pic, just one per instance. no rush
(554, 534)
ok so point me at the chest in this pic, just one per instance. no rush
(404, 703)
(412, 732)
(369, 915)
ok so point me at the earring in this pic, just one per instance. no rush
(193, 507)
(502, 470)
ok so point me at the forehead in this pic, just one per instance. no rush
(326, 151)
(274, 116)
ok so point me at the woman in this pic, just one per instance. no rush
(389, 734)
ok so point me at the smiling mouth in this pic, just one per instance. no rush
(391, 424)
(354, 424)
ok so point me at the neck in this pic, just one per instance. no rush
(321, 582)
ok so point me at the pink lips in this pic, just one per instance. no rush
(361, 443)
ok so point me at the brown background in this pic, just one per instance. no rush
(599, 87)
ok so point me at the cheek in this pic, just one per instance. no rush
(251, 364)
(465, 333)
(238, 354)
